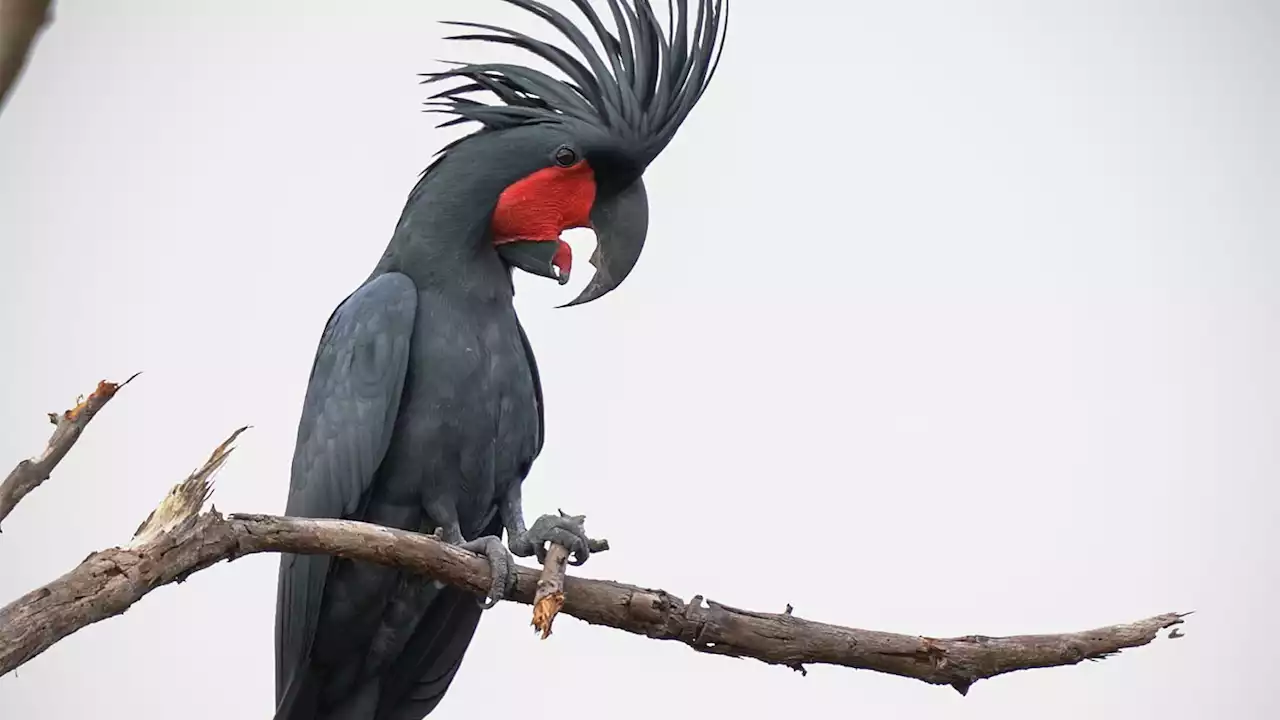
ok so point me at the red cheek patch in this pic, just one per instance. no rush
(545, 204)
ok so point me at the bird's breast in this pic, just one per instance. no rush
(469, 418)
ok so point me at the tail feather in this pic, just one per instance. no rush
(411, 686)
(300, 698)
(432, 657)
(434, 654)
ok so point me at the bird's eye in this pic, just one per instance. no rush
(566, 156)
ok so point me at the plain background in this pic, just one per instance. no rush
(956, 317)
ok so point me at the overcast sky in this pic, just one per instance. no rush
(955, 317)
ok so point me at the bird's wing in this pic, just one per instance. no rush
(434, 653)
(537, 389)
(348, 416)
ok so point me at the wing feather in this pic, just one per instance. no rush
(348, 416)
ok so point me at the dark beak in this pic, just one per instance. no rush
(621, 223)
(534, 256)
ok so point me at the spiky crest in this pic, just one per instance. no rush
(639, 92)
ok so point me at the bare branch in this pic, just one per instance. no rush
(179, 540)
(20, 23)
(549, 597)
(30, 474)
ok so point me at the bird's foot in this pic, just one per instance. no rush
(561, 529)
(502, 566)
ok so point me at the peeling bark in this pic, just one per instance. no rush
(179, 540)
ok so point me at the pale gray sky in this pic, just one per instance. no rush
(973, 302)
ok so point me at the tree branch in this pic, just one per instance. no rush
(177, 540)
(549, 597)
(20, 22)
(30, 474)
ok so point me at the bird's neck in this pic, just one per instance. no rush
(443, 245)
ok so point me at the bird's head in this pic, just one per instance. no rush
(557, 154)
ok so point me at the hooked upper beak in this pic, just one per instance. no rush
(620, 223)
(548, 258)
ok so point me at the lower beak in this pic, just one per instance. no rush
(534, 256)
(620, 223)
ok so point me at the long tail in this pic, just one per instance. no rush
(433, 655)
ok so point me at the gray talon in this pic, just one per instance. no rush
(501, 568)
(566, 530)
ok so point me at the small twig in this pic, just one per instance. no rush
(20, 23)
(549, 597)
(68, 425)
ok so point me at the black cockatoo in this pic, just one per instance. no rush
(424, 408)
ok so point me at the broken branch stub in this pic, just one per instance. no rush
(67, 428)
(549, 597)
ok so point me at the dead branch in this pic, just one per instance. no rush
(178, 540)
(549, 597)
(20, 23)
(67, 427)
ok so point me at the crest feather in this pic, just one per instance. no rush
(640, 91)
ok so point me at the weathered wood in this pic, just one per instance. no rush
(67, 427)
(549, 597)
(177, 539)
(110, 581)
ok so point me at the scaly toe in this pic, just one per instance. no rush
(501, 568)
(562, 530)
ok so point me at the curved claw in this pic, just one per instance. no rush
(559, 529)
(501, 568)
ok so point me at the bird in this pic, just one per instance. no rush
(424, 407)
